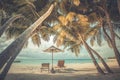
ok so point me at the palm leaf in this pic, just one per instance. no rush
(67, 43)
(75, 49)
(76, 2)
(92, 40)
(108, 40)
(45, 34)
(70, 16)
(13, 32)
(118, 37)
(63, 20)
(26, 44)
(99, 37)
(93, 17)
(61, 7)
(36, 39)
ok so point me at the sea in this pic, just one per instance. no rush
(67, 61)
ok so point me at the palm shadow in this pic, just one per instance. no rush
(71, 70)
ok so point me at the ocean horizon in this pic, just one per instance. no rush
(67, 61)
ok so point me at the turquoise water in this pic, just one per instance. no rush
(67, 61)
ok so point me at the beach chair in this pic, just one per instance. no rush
(45, 66)
(60, 65)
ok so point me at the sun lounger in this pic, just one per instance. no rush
(60, 65)
(45, 66)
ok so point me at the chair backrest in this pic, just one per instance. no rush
(45, 64)
(61, 63)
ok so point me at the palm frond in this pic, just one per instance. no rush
(83, 20)
(45, 34)
(107, 38)
(93, 17)
(70, 16)
(3, 14)
(68, 43)
(61, 7)
(13, 32)
(92, 40)
(57, 27)
(26, 44)
(92, 30)
(75, 49)
(118, 37)
(76, 2)
(36, 39)
(99, 37)
(63, 20)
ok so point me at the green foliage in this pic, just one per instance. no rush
(69, 19)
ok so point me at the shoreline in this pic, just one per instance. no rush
(67, 61)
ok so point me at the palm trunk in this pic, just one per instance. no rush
(109, 41)
(15, 47)
(102, 60)
(8, 64)
(92, 56)
(12, 49)
(118, 4)
(10, 21)
(117, 54)
(7, 67)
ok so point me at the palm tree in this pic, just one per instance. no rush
(8, 55)
(112, 33)
(104, 14)
(92, 56)
(32, 14)
(71, 30)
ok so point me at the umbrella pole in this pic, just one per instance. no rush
(52, 59)
(52, 70)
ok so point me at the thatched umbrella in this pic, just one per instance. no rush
(53, 49)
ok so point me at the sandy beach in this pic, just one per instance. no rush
(85, 71)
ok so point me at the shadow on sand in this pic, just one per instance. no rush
(66, 74)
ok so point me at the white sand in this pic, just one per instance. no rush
(86, 71)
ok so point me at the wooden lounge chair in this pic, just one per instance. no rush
(45, 66)
(60, 65)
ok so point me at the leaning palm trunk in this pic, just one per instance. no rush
(109, 41)
(118, 3)
(117, 54)
(19, 42)
(10, 21)
(91, 55)
(102, 60)
(6, 69)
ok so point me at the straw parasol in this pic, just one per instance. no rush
(53, 49)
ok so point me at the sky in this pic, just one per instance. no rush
(35, 52)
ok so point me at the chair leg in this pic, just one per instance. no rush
(41, 69)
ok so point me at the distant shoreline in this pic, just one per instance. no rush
(67, 61)
(111, 57)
